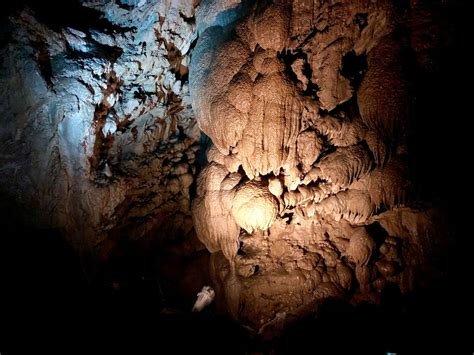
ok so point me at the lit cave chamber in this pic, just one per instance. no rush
(236, 176)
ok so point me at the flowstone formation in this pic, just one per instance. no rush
(308, 193)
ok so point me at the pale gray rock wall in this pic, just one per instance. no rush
(97, 129)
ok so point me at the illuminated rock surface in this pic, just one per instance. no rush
(283, 137)
(313, 100)
(104, 140)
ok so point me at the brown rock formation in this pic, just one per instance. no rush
(310, 98)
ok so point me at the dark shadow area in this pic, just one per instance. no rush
(440, 142)
(433, 320)
(441, 154)
(58, 14)
(138, 304)
(49, 305)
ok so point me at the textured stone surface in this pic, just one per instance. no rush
(306, 194)
(97, 132)
(312, 100)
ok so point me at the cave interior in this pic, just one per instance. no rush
(235, 176)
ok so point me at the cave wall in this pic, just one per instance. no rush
(308, 191)
(98, 134)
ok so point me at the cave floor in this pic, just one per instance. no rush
(49, 305)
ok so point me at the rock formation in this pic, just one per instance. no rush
(306, 194)
(309, 101)
(97, 131)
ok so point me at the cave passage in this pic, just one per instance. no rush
(248, 177)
